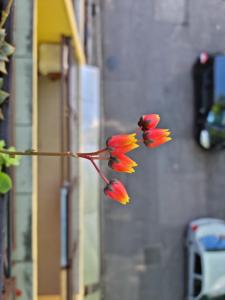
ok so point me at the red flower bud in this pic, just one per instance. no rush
(121, 163)
(116, 191)
(122, 143)
(147, 122)
(156, 137)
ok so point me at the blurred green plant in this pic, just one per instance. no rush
(6, 160)
(5, 51)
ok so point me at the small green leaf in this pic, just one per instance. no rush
(12, 160)
(3, 67)
(5, 183)
(2, 144)
(7, 49)
(3, 57)
(3, 96)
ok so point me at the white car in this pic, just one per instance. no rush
(206, 259)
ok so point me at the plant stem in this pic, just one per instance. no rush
(94, 153)
(99, 158)
(37, 153)
(99, 171)
(5, 13)
(87, 156)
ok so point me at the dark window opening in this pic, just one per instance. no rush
(197, 287)
(198, 264)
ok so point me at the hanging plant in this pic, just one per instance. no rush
(115, 153)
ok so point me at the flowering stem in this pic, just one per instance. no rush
(99, 171)
(99, 158)
(37, 153)
(93, 153)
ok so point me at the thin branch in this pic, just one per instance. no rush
(99, 171)
(5, 13)
(95, 153)
(37, 153)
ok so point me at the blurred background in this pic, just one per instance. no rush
(84, 70)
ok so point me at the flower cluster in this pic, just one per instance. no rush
(116, 150)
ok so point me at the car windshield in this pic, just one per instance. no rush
(216, 116)
(219, 75)
(213, 243)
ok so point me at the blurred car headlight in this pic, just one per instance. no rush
(205, 139)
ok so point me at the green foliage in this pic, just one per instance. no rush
(5, 183)
(6, 160)
(5, 51)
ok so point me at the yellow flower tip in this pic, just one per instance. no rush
(132, 134)
(125, 201)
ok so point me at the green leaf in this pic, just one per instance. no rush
(3, 57)
(7, 49)
(5, 183)
(2, 144)
(3, 67)
(12, 160)
(3, 96)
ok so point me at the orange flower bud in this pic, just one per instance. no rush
(147, 122)
(121, 163)
(116, 191)
(122, 143)
(156, 137)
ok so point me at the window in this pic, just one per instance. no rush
(198, 265)
(197, 272)
(197, 287)
(213, 243)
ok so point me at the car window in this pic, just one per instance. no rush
(197, 287)
(219, 75)
(216, 116)
(198, 265)
(213, 243)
